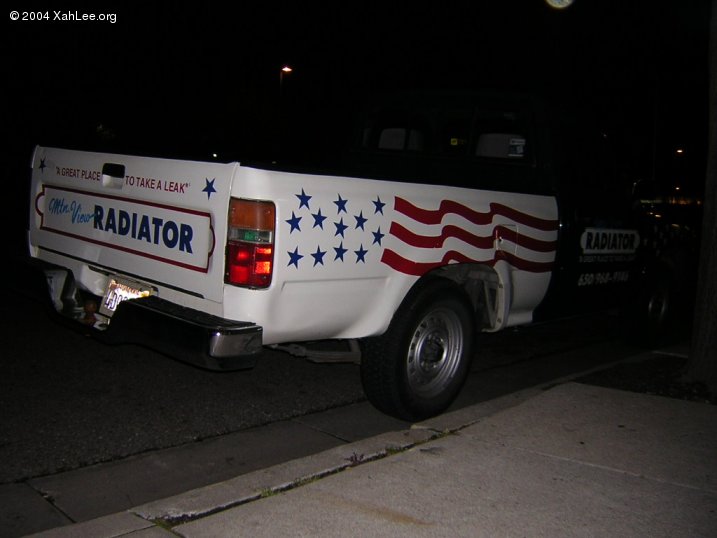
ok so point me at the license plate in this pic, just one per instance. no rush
(121, 289)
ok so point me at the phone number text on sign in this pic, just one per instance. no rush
(596, 279)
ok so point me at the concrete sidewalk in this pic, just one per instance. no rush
(575, 460)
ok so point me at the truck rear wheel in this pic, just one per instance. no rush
(417, 367)
(655, 319)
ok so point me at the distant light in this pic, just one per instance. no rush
(215, 155)
(677, 188)
(559, 4)
(286, 69)
(680, 151)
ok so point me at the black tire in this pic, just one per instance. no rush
(658, 305)
(416, 369)
(652, 313)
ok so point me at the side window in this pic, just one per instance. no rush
(501, 135)
(592, 175)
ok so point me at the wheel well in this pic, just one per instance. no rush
(480, 283)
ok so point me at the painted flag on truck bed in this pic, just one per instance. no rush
(413, 238)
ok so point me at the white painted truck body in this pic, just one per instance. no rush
(346, 250)
(452, 214)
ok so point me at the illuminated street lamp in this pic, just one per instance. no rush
(284, 71)
(559, 4)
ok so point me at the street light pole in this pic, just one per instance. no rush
(280, 111)
(284, 71)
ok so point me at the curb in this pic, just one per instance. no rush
(208, 500)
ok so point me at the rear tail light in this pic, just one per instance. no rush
(250, 243)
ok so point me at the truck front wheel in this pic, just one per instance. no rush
(417, 367)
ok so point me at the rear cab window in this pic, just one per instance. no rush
(470, 144)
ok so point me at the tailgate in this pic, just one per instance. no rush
(157, 220)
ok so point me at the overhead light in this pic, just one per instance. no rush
(559, 4)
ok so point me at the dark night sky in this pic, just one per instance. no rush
(193, 76)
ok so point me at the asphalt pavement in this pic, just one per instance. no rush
(564, 459)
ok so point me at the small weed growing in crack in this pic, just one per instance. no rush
(355, 459)
(162, 524)
(393, 450)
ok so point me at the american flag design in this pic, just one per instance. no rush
(411, 238)
(477, 233)
(346, 231)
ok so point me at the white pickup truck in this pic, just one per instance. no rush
(453, 216)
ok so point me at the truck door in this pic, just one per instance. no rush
(598, 242)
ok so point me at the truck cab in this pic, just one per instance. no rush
(519, 144)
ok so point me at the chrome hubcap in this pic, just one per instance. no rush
(434, 352)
